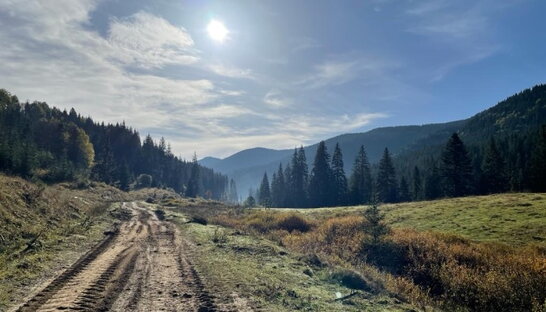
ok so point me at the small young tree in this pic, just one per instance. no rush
(375, 228)
(250, 202)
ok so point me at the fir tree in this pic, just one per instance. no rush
(417, 188)
(360, 189)
(194, 184)
(537, 176)
(494, 179)
(404, 193)
(340, 191)
(278, 188)
(432, 183)
(456, 169)
(320, 184)
(233, 196)
(264, 194)
(386, 179)
(299, 176)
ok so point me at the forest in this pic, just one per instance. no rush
(496, 165)
(41, 143)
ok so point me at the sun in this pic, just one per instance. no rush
(217, 31)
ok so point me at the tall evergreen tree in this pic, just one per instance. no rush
(404, 193)
(494, 178)
(417, 187)
(433, 188)
(537, 175)
(360, 182)
(264, 194)
(278, 192)
(233, 196)
(386, 179)
(194, 184)
(456, 169)
(299, 179)
(320, 183)
(340, 191)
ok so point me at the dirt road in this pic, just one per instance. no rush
(142, 266)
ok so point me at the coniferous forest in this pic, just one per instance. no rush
(515, 164)
(42, 143)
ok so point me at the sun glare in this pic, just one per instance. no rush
(217, 31)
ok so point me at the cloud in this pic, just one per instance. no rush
(149, 41)
(274, 98)
(339, 72)
(230, 71)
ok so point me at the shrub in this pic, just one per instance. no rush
(199, 220)
(293, 223)
(350, 279)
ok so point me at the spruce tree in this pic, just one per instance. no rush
(233, 196)
(417, 188)
(432, 183)
(264, 194)
(194, 184)
(537, 174)
(299, 176)
(320, 184)
(404, 193)
(340, 191)
(494, 179)
(386, 179)
(456, 169)
(278, 188)
(360, 182)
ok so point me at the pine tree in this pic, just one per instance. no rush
(494, 179)
(194, 184)
(360, 182)
(404, 193)
(417, 189)
(320, 184)
(340, 188)
(278, 188)
(264, 194)
(386, 179)
(456, 169)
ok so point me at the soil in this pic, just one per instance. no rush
(143, 265)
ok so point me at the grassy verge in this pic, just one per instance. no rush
(271, 278)
(514, 219)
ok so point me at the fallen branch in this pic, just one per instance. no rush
(348, 296)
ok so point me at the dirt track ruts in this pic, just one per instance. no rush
(141, 266)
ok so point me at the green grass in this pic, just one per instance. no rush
(270, 277)
(515, 219)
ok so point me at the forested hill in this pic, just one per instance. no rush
(44, 143)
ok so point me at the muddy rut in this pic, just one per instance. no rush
(141, 266)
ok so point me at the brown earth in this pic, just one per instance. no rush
(143, 265)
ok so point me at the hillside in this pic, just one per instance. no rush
(516, 116)
(247, 167)
(44, 143)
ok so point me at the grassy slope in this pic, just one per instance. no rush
(514, 219)
(67, 222)
(269, 277)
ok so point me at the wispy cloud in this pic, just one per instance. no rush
(231, 71)
(275, 99)
(149, 41)
(338, 72)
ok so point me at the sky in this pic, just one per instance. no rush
(283, 73)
